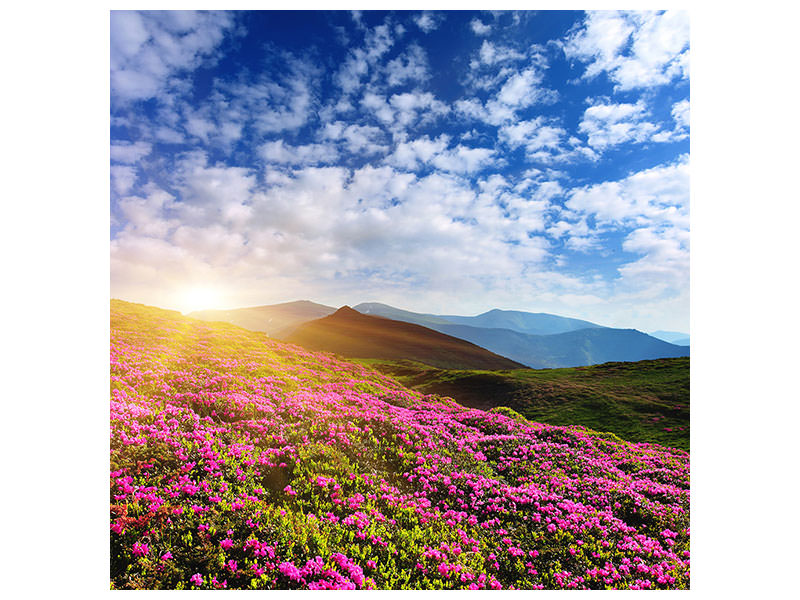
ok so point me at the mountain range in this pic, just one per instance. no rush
(536, 340)
(540, 340)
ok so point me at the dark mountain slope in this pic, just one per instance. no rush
(354, 335)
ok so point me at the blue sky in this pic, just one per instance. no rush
(447, 161)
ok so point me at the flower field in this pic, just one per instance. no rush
(239, 462)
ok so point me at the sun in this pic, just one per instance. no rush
(199, 298)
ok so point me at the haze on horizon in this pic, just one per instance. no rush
(440, 162)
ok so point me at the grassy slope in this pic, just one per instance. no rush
(644, 401)
(241, 462)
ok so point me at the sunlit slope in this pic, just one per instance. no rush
(241, 462)
(354, 335)
(274, 319)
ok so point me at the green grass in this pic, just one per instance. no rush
(645, 401)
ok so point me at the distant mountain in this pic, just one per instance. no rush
(673, 337)
(276, 320)
(351, 334)
(579, 348)
(390, 312)
(523, 322)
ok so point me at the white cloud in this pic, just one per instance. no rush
(309, 154)
(377, 105)
(635, 49)
(613, 124)
(663, 268)
(543, 141)
(520, 89)
(409, 155)
(147, 215)
(123, 178)
(149, 48)
(410, 66)
(491, 54)
(479, 28)
(680, 114)
(211, 193)
(653, 196)
(464, 160)
(428, 21)
(129, 152)
(417, 106)
(358, 139)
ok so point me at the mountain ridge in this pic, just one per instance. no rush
(352, 334)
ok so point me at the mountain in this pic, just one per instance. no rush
(523, 322)
(515, 320)
(579, 348)
(673, 337)
(397, 314)
(349, 333)
(276, 320)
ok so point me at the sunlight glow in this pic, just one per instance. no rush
(199, 298)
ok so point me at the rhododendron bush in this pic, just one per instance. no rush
(241, 462)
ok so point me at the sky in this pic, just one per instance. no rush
(442, 162)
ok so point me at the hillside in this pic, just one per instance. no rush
(646, 401)
(276, 320)
(243, 463)
(354, 335)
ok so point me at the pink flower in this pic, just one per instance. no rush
(140, 549)
(166, 556)
(226, 544)
(197, 579)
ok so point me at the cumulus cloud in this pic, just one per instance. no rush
(657, 195)
(613, 124)
(479, 28)
(428, 21)
(411, 66)
(357, 139)
(520, 89)
(544, 140)
(635, 49)
(462, 159)
(401, 111)
(129, 153)
(680, 118)
(309, 154)
(149, 48)
(123, 178)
